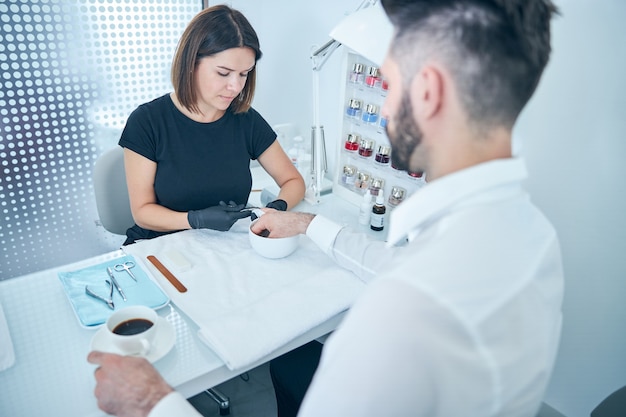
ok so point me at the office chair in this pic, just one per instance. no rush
(612, 406)
(113, 205)
(109, 183)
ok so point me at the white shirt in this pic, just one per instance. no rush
(464, 320)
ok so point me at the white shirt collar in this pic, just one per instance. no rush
(445, 192)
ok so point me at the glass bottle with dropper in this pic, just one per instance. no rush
(377, 217)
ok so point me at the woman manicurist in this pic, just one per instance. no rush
(187, 153)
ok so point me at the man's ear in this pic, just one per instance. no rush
(427, 92)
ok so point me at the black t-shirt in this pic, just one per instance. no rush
(198, 164)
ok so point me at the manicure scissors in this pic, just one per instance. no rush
(126, 267)
(108, 301)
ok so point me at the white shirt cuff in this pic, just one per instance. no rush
(323, 232)
(174, 404)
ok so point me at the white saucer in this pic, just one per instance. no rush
(164, 341)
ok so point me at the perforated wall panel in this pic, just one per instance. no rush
(71, 71)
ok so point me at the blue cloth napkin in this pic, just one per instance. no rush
(93, 312)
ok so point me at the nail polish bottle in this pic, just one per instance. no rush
(354, 108)
(382, 156)
(352, 142)
(370, 115)
(377, 218)
(362, 181)
(417, 175)
(397, 196)
(397, 171)
(376, 186)
(366, 148)
(357, 75)
(373, 78)
(349, 175)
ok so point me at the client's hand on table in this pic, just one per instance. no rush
(282, 223)
(221, 217)
(127, 385)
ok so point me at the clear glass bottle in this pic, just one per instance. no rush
(365, 209)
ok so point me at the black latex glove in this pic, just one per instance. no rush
(279, 204)
(221, 217)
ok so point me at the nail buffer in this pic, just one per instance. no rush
(167, 274)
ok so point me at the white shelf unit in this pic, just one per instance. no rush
(368, 91)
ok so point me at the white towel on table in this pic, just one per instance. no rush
(245, 305)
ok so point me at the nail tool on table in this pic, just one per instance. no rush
(126, 266)
(108, 301)
(114, 281)
(167, 274)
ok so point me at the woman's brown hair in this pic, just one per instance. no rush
(211, 31)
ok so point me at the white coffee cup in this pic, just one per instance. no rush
(132, 329)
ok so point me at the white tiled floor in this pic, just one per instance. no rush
(254, 397)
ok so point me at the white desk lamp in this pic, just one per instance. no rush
(367, 32)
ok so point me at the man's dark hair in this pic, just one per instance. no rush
(496, 50)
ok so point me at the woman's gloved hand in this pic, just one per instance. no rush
(280, 205)
(220, 217)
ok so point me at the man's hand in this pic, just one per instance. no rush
(127, 386)
(282, 223)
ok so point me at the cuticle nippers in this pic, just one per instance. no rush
(108, 301)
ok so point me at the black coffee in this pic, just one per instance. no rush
(132, 326)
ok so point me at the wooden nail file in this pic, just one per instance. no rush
(167, 274)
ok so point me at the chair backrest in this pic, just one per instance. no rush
(612, 406)
(109, 180)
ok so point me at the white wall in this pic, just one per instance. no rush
(573, 134)
(288, 31)
(574, 137)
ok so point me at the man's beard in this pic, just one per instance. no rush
(405, 138)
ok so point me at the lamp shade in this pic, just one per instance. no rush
(367, 32)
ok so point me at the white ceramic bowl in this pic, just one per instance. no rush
(272, 248)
